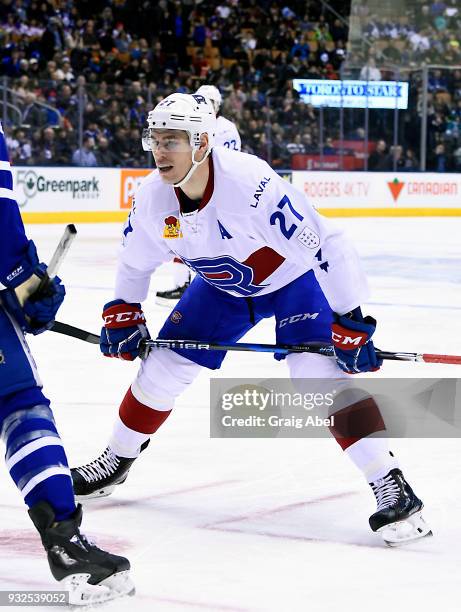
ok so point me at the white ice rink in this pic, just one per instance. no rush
(268, 524)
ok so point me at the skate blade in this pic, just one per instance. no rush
(410, 529)
(105, 492)
(81, 593)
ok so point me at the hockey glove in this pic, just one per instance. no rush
(124, 328)
(33, 309)
(354, 350)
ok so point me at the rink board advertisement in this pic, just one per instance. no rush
(57, 195)
(339, 194)
(317, 408)
(47, 195)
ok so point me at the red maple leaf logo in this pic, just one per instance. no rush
(395, 188)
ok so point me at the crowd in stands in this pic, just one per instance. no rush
(103, 64)
(425, 32)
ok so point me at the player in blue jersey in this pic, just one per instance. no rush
(35, 457)
(260, 250)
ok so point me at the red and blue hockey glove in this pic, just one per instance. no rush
(124, 328)
(354, 350)
(34, 309)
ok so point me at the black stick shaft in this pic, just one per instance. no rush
(325, 349)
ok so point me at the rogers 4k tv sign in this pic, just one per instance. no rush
(353, 94)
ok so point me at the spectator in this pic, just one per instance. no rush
(410, 162)
(329, 148)
(85, 156)
(308, 144)
(301, 48)
(104, 153)
(280, 155)
(296, 146)
(22, 154)
(52, 39)
(437, 81)
(397, 160)
(47, 153)
(121, 146)
(379, 160)
(369, 72)
(64, 140)
(32, 114)
(440, 161)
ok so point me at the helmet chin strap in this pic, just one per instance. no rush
(194, 166)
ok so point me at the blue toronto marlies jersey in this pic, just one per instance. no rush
(253, 234)
(13, 241)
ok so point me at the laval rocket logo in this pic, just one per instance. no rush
(395, 188)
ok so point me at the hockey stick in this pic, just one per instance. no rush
(284, 349)
(63, 246)
(75, 332)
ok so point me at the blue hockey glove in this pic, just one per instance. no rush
(354, 350)
(41, 307)
(33, 309)
(124, 328)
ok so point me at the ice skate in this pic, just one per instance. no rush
(398, 517)
(169, 298)
(100, 477)
(89, 574)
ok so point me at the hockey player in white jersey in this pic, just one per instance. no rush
(259, 250)
(227, 135)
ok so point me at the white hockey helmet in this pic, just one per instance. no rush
(191, 113)
(211, 93)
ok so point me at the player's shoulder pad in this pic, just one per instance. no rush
(153, 194)
(247, 177)
(225, 124)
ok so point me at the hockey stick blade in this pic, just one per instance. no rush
(75, 332)
(320, 349)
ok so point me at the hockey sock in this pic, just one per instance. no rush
(134, 426)
(181, 273)
(35, 456)
(353, 426)
(356, 421)
(372, 457)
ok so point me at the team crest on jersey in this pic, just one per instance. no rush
(172, 228)
(226, 273)
(176, 317)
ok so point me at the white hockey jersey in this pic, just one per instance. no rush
(227, 135)
(253, 234)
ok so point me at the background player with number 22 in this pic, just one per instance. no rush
(259, 249)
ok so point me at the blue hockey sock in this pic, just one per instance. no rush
(36, 458)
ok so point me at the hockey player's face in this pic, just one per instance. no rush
(172, 154)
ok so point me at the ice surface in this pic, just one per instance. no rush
(266, 524)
